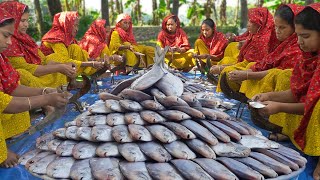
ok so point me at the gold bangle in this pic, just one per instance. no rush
(247, 75)
(44, 90)
(30, 107)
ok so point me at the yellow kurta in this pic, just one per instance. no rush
(71, 54)
(10, 124)
(201, 48)
(230, 54)
(180, 60)
(28, 78)
(275, 80)
(116, 42)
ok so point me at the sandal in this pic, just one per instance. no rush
(278, 137)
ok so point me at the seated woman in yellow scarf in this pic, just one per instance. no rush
(210, 44)
(263, 76)
(297, 110)
(17, 100)
(122, 42)
(27, 59)
(59, 44)
(172, 35)
(260, 42)
(94, 42)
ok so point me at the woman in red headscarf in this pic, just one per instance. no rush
(211, 43)
(25, 56)
(260, 42)
(17, 100)
(122, 42)
(172, 35)
(303, 96)
(94, 41)
(59, 43)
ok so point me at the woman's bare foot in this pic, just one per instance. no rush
(11, 161)
(316, 172)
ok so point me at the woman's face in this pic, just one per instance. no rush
(5, 36)
(308, 40)
(283, 29)
(252, 27)
(206, 30)
(24, 23)
(171, 26)
(75, 27)
(125, 24)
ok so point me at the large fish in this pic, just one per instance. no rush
(216, 131)
(134, 170)
(252, 130)
(180, 130)
(131, 152)
(194, 113)
(191, 99)
(85, 133)
(105, 168)
(83, 121)
(151, 116)
(114, 119)
(121, 134)
(236, 126)
(60, 167)
(40, 167)
(240, 169)
(99, 107)
(258, 166)
(124, 84)
(134, 118)
(108, 149)
(42, 141)
(214, 114)
(210, 103)
(155, 151)
(292, 155)
(37, 158)
(200, 131)
(152, 105)
(251, 141)
(84, 150)
(81, 170)
(102, 133)
(231, 149)
(165, 171)
(114, 105)
(179, 150)
(65, 148)
(60, 133)
(52, 145)
(71, 133)
(97, 119)
(27, 156)
(174, 115)
(131, 105)
(106, 96)
(135, 95)
(70, 123)
(157, 93)
(215, 169)
(226, 129)
(170, 101)
(162, 133)
(170, 85)
(190, 170)
(201, 148)
(139, 133)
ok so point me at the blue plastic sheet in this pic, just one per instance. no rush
(28, 143)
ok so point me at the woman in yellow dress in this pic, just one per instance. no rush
(17, 100)
(261, 76)
(297, 110)
(27, 59)
(59, 44)
(122, 42)
(210, 44)
(172, 35)
(260, 41)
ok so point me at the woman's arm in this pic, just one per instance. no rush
(281, 96)
(256, 75)
(278, 107)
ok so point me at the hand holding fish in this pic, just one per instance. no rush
(57, 99)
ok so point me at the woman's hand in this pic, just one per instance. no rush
(261, 97)
(230, 36)
(116, 58)
(67, 69)
(216, 69)
(58, 100)
(238, 75)
(271, 108)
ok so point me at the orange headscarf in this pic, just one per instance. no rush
(258, 45)
(126, 36)
(306, 78)
(22, 44)
(94, 40)
(216, 43)
(9, 77)
(178, 39)
(286, 55)
(61, 30)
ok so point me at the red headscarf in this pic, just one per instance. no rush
(178, 39)
(286, 55)
(9, 77)
(94, 40)
(216, 43)
(126, 36)
(61, 30)
(306, 78)
(22, 44)
(258, 45)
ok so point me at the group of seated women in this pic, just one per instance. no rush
(276, 62)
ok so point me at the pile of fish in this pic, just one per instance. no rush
(152, 129)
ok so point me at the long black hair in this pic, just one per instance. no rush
(209, 22)
(285, 13)
(309, 19)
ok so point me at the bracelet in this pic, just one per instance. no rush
(44, 91)
(93, 64)
(30, 107)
